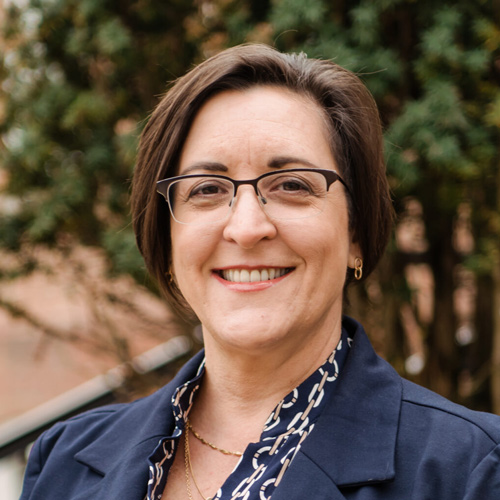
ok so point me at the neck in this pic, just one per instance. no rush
(240, 388)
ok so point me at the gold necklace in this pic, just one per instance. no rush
(205, 442)
(189, 468)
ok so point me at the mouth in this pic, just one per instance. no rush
(253, 275)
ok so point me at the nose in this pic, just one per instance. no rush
(248, 223)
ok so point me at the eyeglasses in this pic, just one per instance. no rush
(295, 193)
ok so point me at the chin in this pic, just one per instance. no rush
(249, 337)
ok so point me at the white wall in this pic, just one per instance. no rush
(11, 476)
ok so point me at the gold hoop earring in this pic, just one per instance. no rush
(358, 268)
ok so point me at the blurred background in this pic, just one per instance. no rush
(80, 322)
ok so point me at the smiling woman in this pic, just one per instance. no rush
(315, 92)
(239, 216)
(293, 221)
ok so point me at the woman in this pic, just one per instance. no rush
(259, 194)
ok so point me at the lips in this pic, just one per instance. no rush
(253, 275)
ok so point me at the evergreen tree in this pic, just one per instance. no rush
(81, 76)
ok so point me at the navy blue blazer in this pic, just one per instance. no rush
(379, 437)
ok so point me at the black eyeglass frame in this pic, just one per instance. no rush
(330, 176)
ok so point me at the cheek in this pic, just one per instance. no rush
(191, 247)
(319, 242)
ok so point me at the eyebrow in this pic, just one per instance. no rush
(211, 166)
(282, 161)
(276, 162)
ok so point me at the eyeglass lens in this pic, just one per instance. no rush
(292, 195)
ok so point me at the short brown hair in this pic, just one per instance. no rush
(355, 132)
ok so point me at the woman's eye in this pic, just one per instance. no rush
(292, 186)
(208, 189)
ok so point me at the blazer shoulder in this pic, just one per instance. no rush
(120, 422)
(79, 430)
(453, 415)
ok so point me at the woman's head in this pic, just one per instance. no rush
(351, 124)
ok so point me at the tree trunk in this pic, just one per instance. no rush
(495, 355)
(441, 372)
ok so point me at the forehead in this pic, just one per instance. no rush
(250, 125)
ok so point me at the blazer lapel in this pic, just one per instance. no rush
(304, 479)
(354, 440)
(127, 480)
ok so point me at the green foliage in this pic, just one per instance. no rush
(80, 76)
(433, 69)
(121, 246)
(297, 15)
(78, 79)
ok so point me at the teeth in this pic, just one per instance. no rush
(245, 276)
(255, 276)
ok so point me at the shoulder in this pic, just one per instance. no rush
(439, 438)
(122, 417)
(55, 448)
(424, 411)
(109, 430)
(67, 437)
(435, 408)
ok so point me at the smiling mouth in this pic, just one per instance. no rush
(253, 275)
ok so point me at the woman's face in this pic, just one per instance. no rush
(243, 134)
